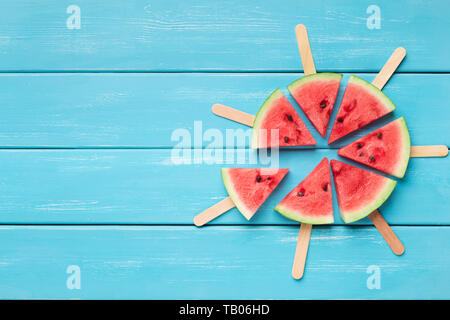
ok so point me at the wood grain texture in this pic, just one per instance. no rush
(153, 186)
(140, 75)
(220, 263)
(220, 35)
(144, 110)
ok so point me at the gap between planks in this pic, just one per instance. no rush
(293, 225)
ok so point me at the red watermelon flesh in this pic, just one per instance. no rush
(250, 187)
(310, 201)
(359, 192)
(362, 103)
(277, 115)
(316, 95)
(386, 149)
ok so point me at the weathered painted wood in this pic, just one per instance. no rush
(220, 263)
(220, 35)
(145, 110)
(152, 187)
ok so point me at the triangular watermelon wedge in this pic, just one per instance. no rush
(250, 187)
(359, 192)
(386, 149)
(278, 114)
(362, 103)
(310, 201)
(316, 95)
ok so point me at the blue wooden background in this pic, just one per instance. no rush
(94, 202)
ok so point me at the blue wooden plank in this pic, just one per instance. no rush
(152, 187)
(147, 110)
(231, 35)
(219, 263)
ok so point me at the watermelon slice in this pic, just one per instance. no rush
(316, 94)
(250, 187)
(359, 192)
(386, 149)
(310, 201)
(278, 114)
(362, 103)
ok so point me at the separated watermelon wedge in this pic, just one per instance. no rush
(277, 115)
(316, 94)
(248, 188)
(310, 201)
(362, 103)
(386, 149)
(359, 192)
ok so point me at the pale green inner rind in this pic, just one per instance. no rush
(406, 150)
(313, 77)
(261, 115)
(296, 216)
(234, 195)
(364, 212)
(384, 99)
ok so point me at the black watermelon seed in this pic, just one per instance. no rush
(300, 194)
(340, 120)
(289, 117)
(361, 154)
(325, 188)
(269, 178)
(286, 139)
(379, 135)
(258, 179)
(359, 145)
(323, 104)
(372, 159)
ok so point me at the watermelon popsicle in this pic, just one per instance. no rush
(310, 202)
(360, 193)
(248, 189)
(388, 149)
(276, 124)
(315, 93)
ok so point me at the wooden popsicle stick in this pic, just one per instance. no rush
(213, 212)
(387, 233)
(233, 114)
(389, 68)
(428, 151)
(305, 49)
(301, 250)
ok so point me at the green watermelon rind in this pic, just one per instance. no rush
(266, 106)
(324, 76)
(400, 172)
(379, 200)
(290, 214)
(234, 196)
(384, 99)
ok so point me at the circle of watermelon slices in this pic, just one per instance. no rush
(359, 191)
